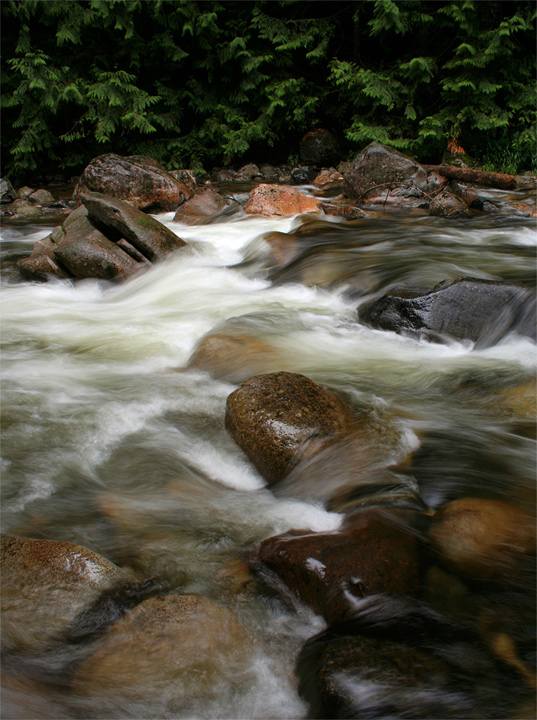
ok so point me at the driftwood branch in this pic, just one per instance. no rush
(502, 181)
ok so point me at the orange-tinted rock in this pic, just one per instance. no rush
(375, 553)
(280, 417)
(481, 539)
(328, 179)
(279, 200)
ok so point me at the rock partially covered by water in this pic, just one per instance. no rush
(153, 239)
(379, 169)
(320, 147)
(398, 658)
(376, 552)
(139, 180)
(279, 200)
(279, 418)
(482, 311)
(482, 539)
(201, 208)
(174, 649)
(446, 204)
(47, 586)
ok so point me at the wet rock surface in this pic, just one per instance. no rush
(176, 648)
(278, 418)
(397, 658)
(47, 586)
(468, 309)
(137, 179)
(375, 552)
(201, 208)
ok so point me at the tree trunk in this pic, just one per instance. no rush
(501, 181)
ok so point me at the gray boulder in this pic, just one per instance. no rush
(482, 311)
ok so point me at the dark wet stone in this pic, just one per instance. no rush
(96, 257)
(303, 176)
(278, 418)
(446, 204)
(347, 212)
(468, 309)
(319, 147)
(7, 192)
(201, 208)
(397, 658)
(375, 552)
(41, 197)
(46, 587)
(137, 179)
(153, 239)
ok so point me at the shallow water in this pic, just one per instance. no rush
(110, 440)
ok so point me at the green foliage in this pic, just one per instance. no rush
(199, 83)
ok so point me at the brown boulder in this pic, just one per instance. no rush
(375, 553)
(279, 200)
(45, 586)
(178, 645)
(281, 417)
(482, 539)
(139, 180)
(379, 168)
(201, 207)
(446, 204)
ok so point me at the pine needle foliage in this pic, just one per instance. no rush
(202, 83)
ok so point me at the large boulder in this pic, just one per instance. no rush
(397, 658)
(281, 417)
(379, 169)
(46, 586)
(482, 311)
(174, 648)
(201, 208)
(320, 147)
(376, 552)
(484, 539)
(279, 200)
(7, 192)
(120, 220)
(139, 180)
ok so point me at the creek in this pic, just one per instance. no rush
(112, 441)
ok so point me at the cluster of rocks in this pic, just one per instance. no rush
(413, 597)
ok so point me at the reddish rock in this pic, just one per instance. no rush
(201, 207)
(347, 212)
(279, 418)
(483, 539)
(328, 179)
(139, 180)
(375, 553)
(279, 200)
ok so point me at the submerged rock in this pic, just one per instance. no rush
(201, 208)
(279, 200)
(376, 552)
(482, 539)
(280, 417)
(46, 586)
(175, 648)
(397, 658)
(139, 180)
(482, 311)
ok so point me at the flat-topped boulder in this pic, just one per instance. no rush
(137, 179)
(46, 586)
(280, 200)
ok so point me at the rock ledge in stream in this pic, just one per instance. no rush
(280, 418)
(137, 179)
(279, 200)
(46, 586)
(481, 311)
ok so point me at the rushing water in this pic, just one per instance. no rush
(111, 441)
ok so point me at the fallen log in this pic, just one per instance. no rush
(502, 181)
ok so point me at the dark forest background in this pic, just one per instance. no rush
(199, 84)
